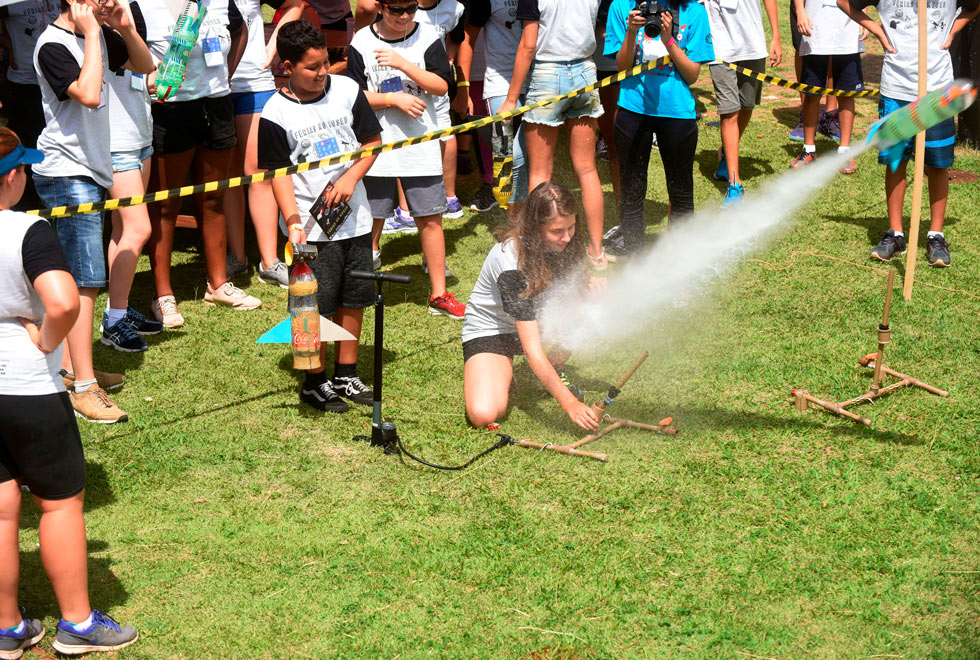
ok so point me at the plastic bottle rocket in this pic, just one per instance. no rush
(303, 309)
(170, 74)
(890, 133)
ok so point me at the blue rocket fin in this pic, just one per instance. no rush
(874, 129)
(893, 155)
(280, 334)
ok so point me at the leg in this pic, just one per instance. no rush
(811, 115)
(64, 554)
(168, 171)
(895, 185)
(9, 552)
(351, 320)
(541, 142)
(486, 387)
(261, 202)
(608, 96)
(449, 158)
(729, 144)
(846, 116)
(677, 152)
(210, 165)
(434, 250)
(80, 336)
(130, 232)
(832, 101)
(581, 147)
(938, 194)
(234, 202)
(634, 140)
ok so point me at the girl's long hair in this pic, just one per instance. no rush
(536, 261)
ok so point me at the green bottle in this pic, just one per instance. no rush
(170, 73)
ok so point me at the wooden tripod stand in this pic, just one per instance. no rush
(801, 398)
(664, 427)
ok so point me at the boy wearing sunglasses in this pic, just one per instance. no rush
(403, 69)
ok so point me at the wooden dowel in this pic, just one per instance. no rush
(657, 428)
(915, 382)
(920, 157)
(561, 450)
(595, 436)
(599, 407)
(832, 407)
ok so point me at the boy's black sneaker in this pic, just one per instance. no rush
(12, 645)
(141, 324)
(353, 388)
(937, 251)
(484, 200)
(121, 336)
(322, 397)
(572, 387)
(103, 635)
(890, 245)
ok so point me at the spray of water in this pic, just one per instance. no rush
(685, 263)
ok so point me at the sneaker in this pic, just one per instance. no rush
(601, 150)
(353, 388)
(231, 296)
(376, 259)
(484, 200)
(323, 398)
(392, 225)
(572, 387)
(796, 135)
(829, 125)
(103, 635)
(447, 305)
(614, 241)
(937, 251)
(733, 195)
(425, 269)
(12, 645)
(400, 223)
(94, 405)
(453, 209)
(850, 168)
(405, 218)
(278, 275)
(164, 309)
(889, 246)
(234, 266)
(121, 336)
(104, 380)
(721, 173)
(142, 325)
(804, 159)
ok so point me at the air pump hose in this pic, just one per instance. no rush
(503, 442)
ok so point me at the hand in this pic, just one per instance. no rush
(635, 21)
(666, 23)
(341, 191)
(413, 106)
(34, 332)
(270, 54)
(84, 19)
(507, 106)
(11, 62)
(296, 234)
(887, 45)
(596, 286)
(775, 53)
(463, 104)
(151, 83)
(388, 57)
(117, 15)
(804, 24)
(945, 46)
(863, 33)
(582, 415)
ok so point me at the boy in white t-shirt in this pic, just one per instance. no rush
(402, 67)
(738, 38)
(831, 42)
(898, 33)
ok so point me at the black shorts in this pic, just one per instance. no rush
(848, 75)
(40, 444)
(507, 345)
(183, 125)
(794, 29)
(334, 285)
(340, 25)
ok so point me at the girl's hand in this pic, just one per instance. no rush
(409, 104)
(507, 106)
(34, 332)
(84, 19)
(596, 286)
(804, 24)
(666, 23)
(635, 21)
(582, 415)
(151, 83)
(388, 57)
(887, 45)
(775, 52)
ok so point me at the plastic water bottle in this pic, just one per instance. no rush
(305, 314)
(170, 74)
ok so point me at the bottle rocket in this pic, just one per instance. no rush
(170, 74)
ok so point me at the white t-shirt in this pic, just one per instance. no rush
(737, 34)
(424, 48)
(502, 34)
(250, 76)
(899, 71)
(291, 131)
(443, 16)
(834, 33)
(495, 304)
(566, 28)
(24, 22)
(200, 80)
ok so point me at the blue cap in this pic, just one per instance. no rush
(19, 156)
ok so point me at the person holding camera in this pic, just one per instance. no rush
(658, 102)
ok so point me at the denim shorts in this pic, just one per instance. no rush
(550, 79)
(939, 138)
(80, 235)
(123, 161)
(250, 103)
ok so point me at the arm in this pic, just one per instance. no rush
(239, 37)
(121, 20)
(60, 297)
(803, 22)
(87, 89)
(432, 83)
(7, 46)
(343, 187)
(858, 15)
(291, 11)
(577, 411)
(961, 22)
(624, 58)
(365, 14)
(687, 69)
(522, 64)
(464, 64)
(775, 46)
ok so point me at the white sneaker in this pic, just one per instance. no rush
(376, 259)
(231, 296)
(165, 311)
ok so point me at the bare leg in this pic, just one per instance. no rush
(449, 157)
(80, 336)
(9, 552)
(609, 96)
(169, 171)
(234, 202)
(811, 115)
(376, 228)
(895, 185)
(351, 321)
(729, 144)
(434, 250)
(486, 387)
(130, 232)
(211, 165)
(261, 201)
(64, 554)
(581, 147)
(541, 142)
(938, 193)
(832, 101)
(846, 117)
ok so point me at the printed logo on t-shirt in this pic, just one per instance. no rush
(391, 85)
(327, 147)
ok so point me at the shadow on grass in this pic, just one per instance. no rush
(749, 167)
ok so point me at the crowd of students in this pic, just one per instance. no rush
(78, 93)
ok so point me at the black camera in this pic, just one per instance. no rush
(651, 11)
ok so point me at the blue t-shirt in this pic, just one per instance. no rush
(661, 92)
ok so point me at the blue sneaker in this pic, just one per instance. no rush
(121, 336)
(141, 324)
(12, 645)
(796, 135)
(454, 208)
(406, 223)
(722, 172)
(829, 125)
(734, 195)
(103, 635)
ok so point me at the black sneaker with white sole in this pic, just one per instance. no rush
(890, 245)
(937, 251)
(484, 200)
(353, 388)
(323, 397)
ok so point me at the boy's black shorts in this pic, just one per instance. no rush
(40, 444)
(183, 125)
(334, 285)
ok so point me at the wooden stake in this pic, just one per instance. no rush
(884, 333)
(920, 156)
(562, 450)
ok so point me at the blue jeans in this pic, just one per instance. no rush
(520, 175)
(80, 235)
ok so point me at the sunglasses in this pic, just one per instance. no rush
(401, 11)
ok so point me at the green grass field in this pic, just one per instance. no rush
(226, 520)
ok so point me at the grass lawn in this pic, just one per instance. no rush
(226, 520)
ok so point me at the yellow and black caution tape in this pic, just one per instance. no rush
(800, 87)
(212, 186)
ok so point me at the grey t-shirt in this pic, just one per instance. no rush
(501, 32)
(496, 304)
(737, 34)
(24, 22)
(566, 28)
